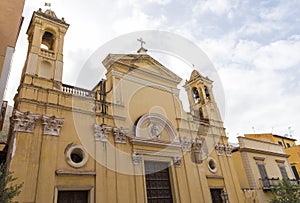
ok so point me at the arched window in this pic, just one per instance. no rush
(195, 95)
(206, 92)
(47, 41)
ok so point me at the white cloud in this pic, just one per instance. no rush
(281, 54)
(217, 7)
(161, 2)
(138, 21)
(258, 28)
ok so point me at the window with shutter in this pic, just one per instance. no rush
(283, 172)
(263, 174)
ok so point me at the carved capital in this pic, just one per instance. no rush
(24, 121)
(136, 158)
(228, 149)
(177, 161)
(52, 125)
(220, 148)
(197, 144)
(186, 144)
(101, 132)
(120, 135)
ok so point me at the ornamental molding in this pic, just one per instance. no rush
(220, 149)
(156, 124)
(120, 135)
(51, 125)
(136, 159)
(24, 121)
(101, 132)
(186, 143)
(177, 161)
(197, 144)
(196, 150)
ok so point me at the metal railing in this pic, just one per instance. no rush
(269, 183)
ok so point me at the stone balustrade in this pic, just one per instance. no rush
(47, 53)
(77, 91)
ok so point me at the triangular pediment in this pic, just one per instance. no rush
(142, 63)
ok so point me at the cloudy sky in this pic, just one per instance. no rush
(254, 45)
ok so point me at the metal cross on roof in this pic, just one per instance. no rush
(48, 4)
(142, 41)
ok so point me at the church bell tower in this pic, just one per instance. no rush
(203, 106)
(45, 50)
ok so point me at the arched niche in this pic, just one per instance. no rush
(154, 126)
(48, 40)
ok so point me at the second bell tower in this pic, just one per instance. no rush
(45, 50)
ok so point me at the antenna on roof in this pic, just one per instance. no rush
(290, 131)
(253, 129)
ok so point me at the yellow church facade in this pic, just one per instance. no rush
(126, 140)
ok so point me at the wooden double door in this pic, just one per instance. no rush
(73, 196)
(158, 182)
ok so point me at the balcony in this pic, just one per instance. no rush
(294, 182)
(268, 183)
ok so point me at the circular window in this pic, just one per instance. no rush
(76, 156)
(212, 165)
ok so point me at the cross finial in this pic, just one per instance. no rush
(48, 4)
(141, 41)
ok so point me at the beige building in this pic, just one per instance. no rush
(127, 140)
(10, 24)
(286, 142)
(261, 164)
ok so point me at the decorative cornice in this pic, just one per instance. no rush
(80, 173)
(51, 125)
(24, 121)
(154, 143)
(245, 149)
